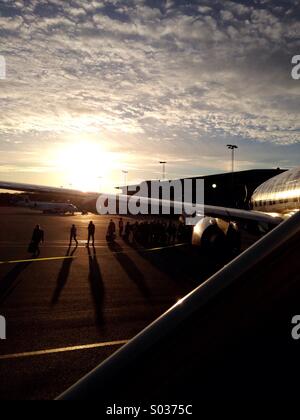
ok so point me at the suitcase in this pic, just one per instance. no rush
(32, 248)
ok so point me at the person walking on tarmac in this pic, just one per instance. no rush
(121, 228)
(38, 237)
(91, 234)
(111, 231)
(127, 231)
(73, 235)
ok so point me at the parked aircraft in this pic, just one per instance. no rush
(48, 207)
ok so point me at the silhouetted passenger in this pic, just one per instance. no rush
(135, 232)
(151, 233)
(181, 232)
(127, 231)
(172, 233)
(121, 227)
(111, 231)
(38, 237)
(73, 235)
(163, 234)
(91, 233)
(146, 234)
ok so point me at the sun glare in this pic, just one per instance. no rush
(86, 166)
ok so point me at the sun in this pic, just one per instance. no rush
(85, 165)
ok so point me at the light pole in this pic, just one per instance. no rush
(233, 148)
(163, 163)
(125, 173)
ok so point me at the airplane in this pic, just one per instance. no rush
(48, 207)
(272, 202)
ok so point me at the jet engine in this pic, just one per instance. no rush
(217, 235)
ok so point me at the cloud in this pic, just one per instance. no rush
(176, 73)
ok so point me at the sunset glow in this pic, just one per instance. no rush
(87, 165)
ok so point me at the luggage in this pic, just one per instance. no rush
(32, 248)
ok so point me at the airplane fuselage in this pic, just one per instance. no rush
(279, 195)
(53, 207)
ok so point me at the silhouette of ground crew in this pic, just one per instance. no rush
(73, 235)
(91, 233)
(38, 237)
(121, 227)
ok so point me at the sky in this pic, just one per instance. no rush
(97, 87)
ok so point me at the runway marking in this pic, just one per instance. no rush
(37, 260)
(63, 350)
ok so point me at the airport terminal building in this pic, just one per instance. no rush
(227, 189)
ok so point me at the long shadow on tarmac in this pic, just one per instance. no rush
(63, 276)
(97, 285)
(130, 267)
(11, 280)
(186, 265)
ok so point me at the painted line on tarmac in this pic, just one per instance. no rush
(131, 250)
(37, 260)
(52, 243)
(165, 247)
(63, 350)
(127, 251)
(144, 250)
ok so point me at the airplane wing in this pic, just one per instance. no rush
(14, 186)
(242, 215)
(224, 213)
(211, 211)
